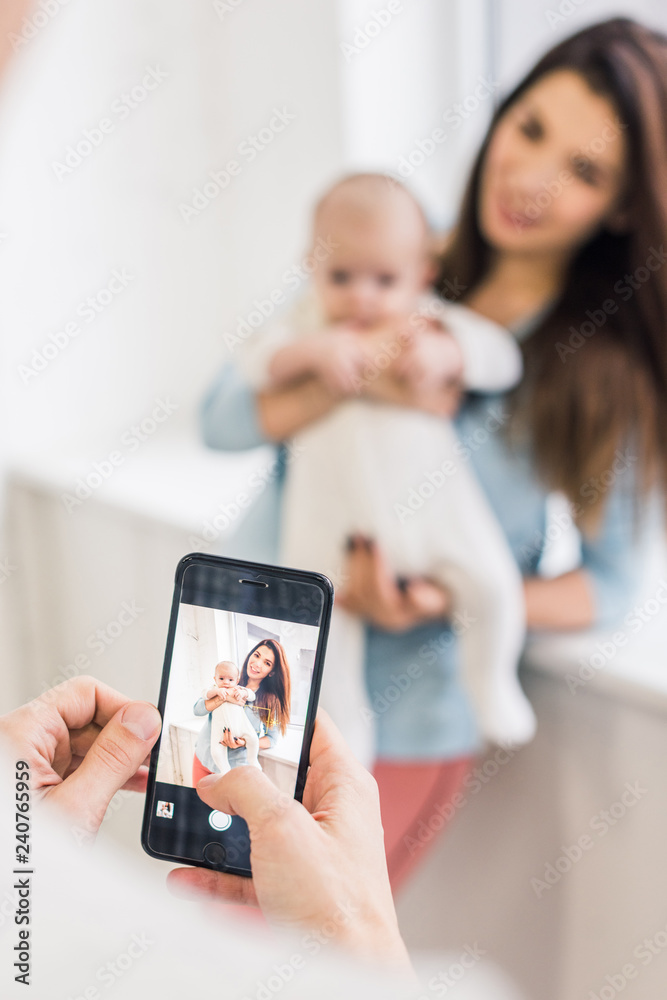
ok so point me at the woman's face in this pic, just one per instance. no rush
(554, 170)
(260, 663)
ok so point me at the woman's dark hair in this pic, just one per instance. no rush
(274, 695)
(585, 395)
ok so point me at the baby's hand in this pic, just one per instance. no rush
(338, 358)
(216, 692)
(237, 695)
(431, 358)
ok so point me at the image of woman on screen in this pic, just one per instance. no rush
(266, 675)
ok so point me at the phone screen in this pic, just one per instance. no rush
(239, 689)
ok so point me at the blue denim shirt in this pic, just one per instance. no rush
(432, 718)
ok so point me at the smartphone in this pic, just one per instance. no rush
(245, 652)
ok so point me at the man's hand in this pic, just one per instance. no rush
(83, 741)
(317, 864)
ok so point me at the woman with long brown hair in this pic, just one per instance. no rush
(266, 673)
(560, 239)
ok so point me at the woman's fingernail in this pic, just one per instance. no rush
(141, 719)
(402, 583)
(350, 543)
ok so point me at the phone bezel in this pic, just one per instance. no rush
(249, 568)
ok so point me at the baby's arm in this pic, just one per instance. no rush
(214, 697)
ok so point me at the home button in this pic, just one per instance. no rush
(215, 854)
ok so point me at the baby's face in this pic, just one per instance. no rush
(372, 275)
(225, 676)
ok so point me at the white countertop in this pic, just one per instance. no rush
(181, 483)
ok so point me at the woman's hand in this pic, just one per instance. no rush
(431, 361)
(415, 364)
(372, 593)
(386, 387)
(319, 865)
(233, 742)
(83, 742)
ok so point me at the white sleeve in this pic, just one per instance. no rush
(250, 694)
(492, 360)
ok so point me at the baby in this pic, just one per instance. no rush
(230, 715)
(387, 471)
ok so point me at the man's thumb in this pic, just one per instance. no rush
(114, 757)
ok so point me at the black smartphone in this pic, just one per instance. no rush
(240, 686)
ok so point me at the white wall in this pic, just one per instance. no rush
(402, 79)
(119, 209)
(226, 69)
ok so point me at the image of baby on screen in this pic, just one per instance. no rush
(248, 710)
(225, 701)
